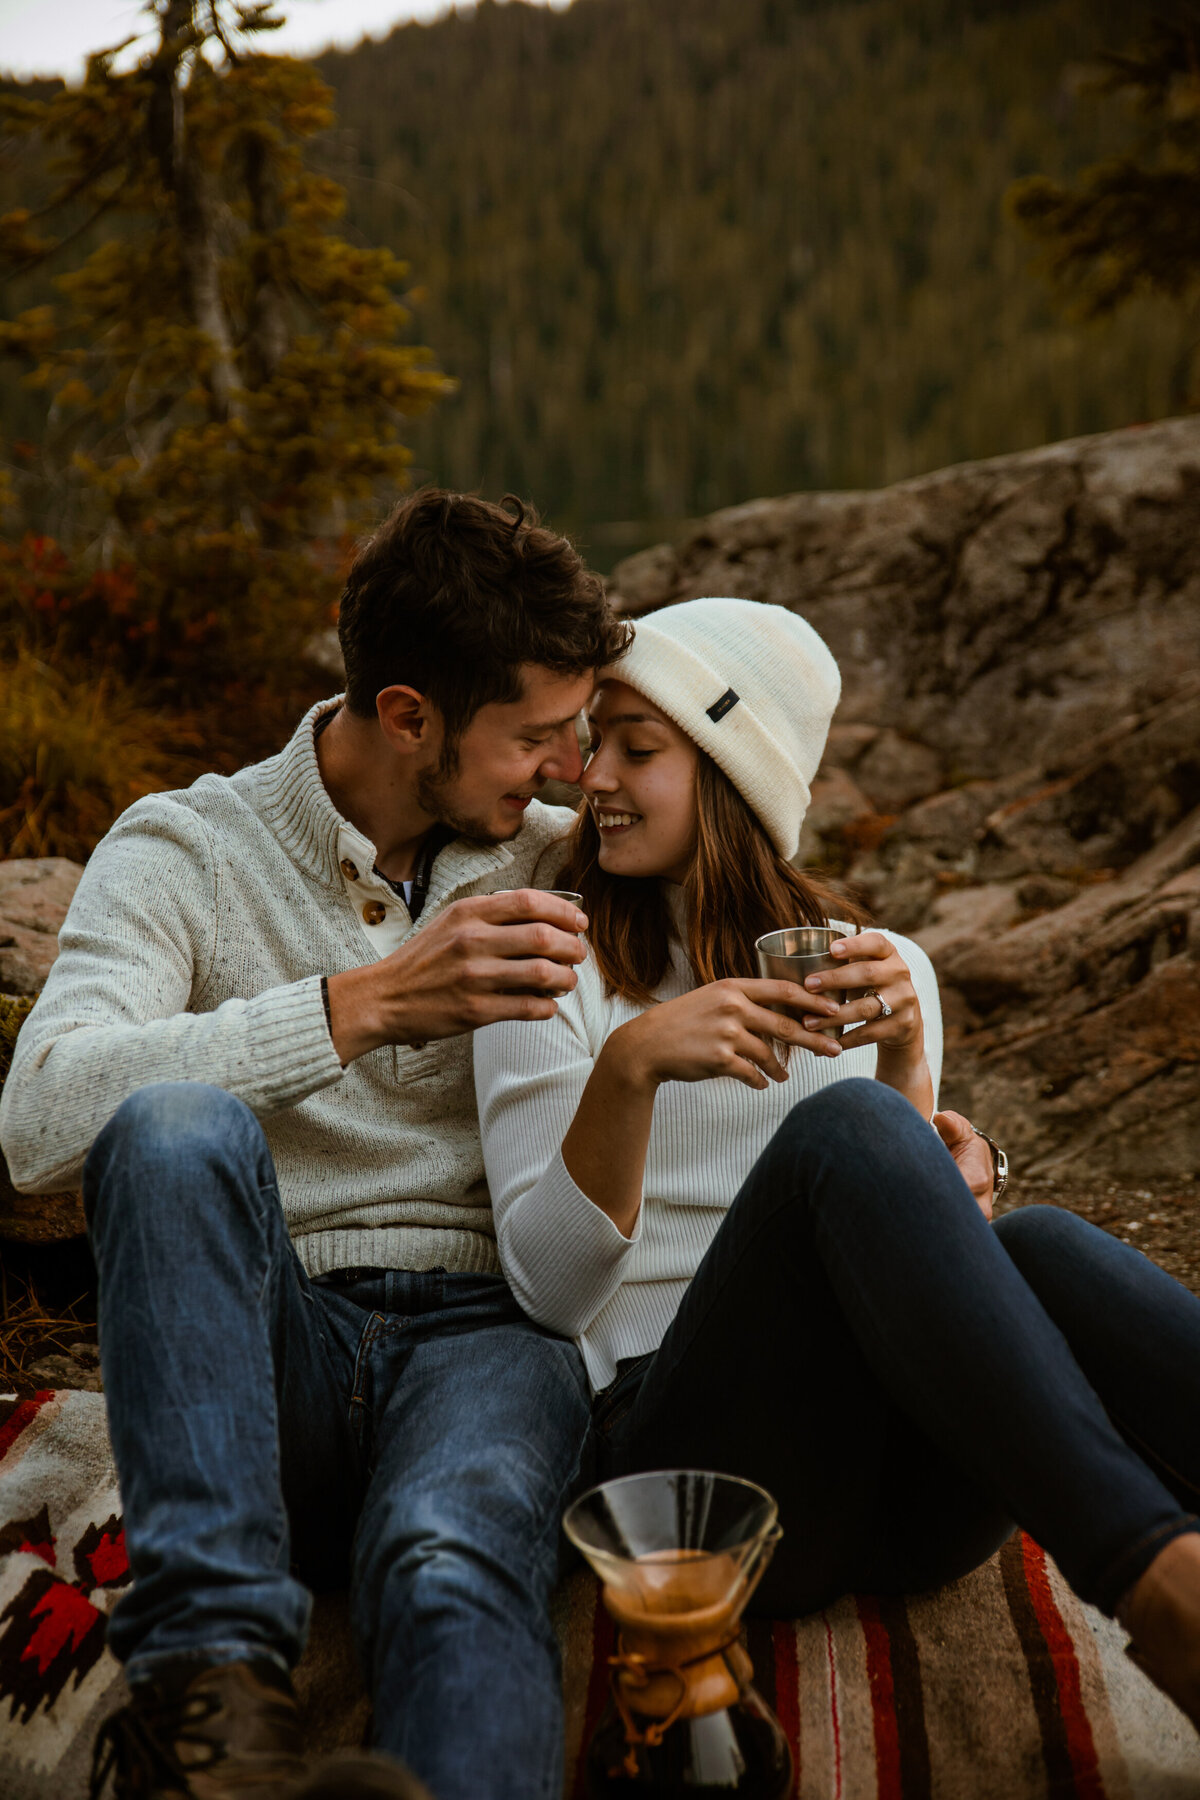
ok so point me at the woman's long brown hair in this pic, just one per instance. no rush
(737, 889)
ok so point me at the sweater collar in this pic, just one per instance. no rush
(316, 836)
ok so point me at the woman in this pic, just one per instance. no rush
(772, 1263)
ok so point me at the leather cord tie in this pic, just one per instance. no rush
(631, 1668)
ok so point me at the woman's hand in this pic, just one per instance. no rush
(872, 970)
(724, 1028)
(972, 1154)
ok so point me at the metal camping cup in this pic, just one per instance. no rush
(799, 951)
(559, 894)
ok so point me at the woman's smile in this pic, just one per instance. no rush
(611, 822)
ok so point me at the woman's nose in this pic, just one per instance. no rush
(594, 779)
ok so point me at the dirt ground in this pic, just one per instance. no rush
(1161, 1218)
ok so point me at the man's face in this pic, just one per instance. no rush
(509, 750)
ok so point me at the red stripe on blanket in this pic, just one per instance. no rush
(22, 1414)
(1043, 1680)
(604, 1640)
(787, 1690)
(916, 1777)
(1081, 1745)
(834, 1716)
(883, 1698)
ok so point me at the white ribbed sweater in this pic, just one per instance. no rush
(565, 1260)
(193, 951)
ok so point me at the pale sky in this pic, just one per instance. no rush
(53, 37)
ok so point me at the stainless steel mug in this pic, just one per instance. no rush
(559, 894)
(566, 894)
(798, 951)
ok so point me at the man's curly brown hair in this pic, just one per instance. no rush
(453, 594)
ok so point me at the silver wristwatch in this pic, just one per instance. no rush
(999, 1163)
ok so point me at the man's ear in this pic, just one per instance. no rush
(406, 718)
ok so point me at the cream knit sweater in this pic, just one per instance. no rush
(193, 951)
(565, 1260)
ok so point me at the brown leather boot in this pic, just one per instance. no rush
(229, 1731)
(1161, 1613)
(360, 1775)
(224, 1731)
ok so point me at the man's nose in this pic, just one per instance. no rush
(565, 762)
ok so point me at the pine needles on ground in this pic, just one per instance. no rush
(29, 1329)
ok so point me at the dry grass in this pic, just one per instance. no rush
(29, 1330)
(74, 752)
(14, 1010)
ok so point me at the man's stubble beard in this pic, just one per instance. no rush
(433, 789)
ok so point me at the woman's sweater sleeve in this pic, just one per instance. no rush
(116, 1013)
(925, 985)
(562, 1256)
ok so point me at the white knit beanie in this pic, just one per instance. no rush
(754, 686)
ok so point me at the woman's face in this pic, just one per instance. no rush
(640, 782)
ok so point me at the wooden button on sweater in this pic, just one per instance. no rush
(374, 912)
(349, 869)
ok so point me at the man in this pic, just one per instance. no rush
(255, 1044)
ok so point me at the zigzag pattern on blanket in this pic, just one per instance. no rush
(1001, 1687)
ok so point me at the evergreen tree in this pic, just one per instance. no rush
(1131, 224)
(228, 378)
(685, 253)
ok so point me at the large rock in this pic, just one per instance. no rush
(35, 893)
(34, 896)
(999, 613)
(1020, 722)
(38, 1218)
(1080, 1038)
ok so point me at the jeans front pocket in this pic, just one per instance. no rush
(362, 1396)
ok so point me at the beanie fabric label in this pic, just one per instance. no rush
(719, 708)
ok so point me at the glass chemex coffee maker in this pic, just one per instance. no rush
(679, 1552)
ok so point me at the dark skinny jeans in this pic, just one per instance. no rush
(909, 1381)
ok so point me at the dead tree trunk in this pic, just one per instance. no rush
(267, 326)
(184, 180)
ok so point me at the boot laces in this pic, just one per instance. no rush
(135, 1747)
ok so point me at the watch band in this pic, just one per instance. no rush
(999, 1163)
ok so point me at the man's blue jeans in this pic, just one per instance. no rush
(415, 1429)
(908, 1381)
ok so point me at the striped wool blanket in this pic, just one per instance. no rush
(1002, 1686)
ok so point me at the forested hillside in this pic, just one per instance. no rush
(682, 252)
